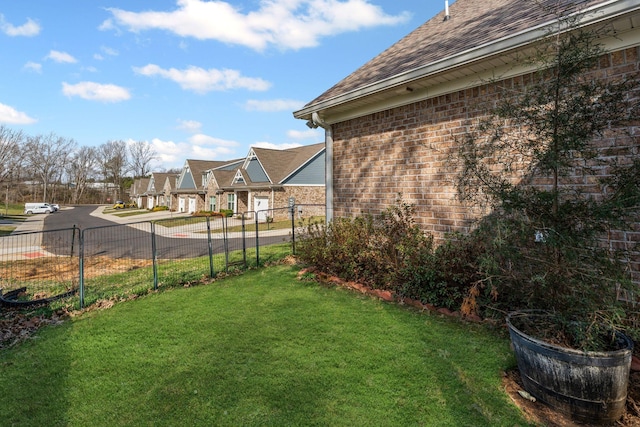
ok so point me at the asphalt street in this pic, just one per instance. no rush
(129, 237)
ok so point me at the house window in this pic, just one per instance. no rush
(212, 203)
(231, 202)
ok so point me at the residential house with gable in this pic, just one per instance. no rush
(391, 125)
(189, 194)
(138, 192)
(157, 194)
(214, 179)
(167, 189)
(269, 179)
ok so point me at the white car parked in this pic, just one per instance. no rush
(34, 208)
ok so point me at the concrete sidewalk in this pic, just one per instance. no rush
(31, 223)
(142, 216)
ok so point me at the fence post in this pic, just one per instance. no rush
(225, 240)
(257, 242)
(211, 271)
(81, 269)
(244, 243)
(154, 256)
(73, 239)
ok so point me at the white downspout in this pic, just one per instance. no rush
(328, 142)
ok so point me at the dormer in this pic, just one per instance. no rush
(238, 178)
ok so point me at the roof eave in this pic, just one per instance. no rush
(591, 16)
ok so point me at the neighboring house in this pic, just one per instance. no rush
(214, 179)
(391, 125)
(190, 190)
(167, 188)
(156, 193)
(138, 191)
(264, 180)
(270, 179)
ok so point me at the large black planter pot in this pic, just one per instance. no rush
(586, 386)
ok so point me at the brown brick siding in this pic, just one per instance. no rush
(407, 150)
(278, 199)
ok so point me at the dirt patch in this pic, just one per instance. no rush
(46, 268)
(541, 414)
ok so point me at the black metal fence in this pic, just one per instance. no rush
(122, 260)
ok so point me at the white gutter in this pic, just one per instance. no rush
(328, 165)
(591, 16)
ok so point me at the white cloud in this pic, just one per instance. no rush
(210, 153)
(96, 91)
(33, 66)
(28, 29)
(284, 146)
(273, 105)
(285, 24)
(63, 57)
(109, 51)
(105, 51)
(202, 147)
(200, 80)
(191, 126)
(12, 116)
(306, 134)
(206, 140)
(169, 153)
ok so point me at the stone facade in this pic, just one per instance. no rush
(407, 150)
(278, 199)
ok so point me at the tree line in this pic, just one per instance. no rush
(57, 169)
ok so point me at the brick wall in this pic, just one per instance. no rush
(408, 149)
(278, 199)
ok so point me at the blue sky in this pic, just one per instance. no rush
(196, 79)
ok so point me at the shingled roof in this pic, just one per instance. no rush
(279, 164)
(156, 184)
(476, 29)
(139, 187)
(196, 168)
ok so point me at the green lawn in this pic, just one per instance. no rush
(5, 230)
(261, 349)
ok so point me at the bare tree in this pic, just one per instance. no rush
(80, 167)
(46, 157)
(112, 158)
(141, 154)
(11, 152)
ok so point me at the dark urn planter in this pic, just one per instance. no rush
(587, 386)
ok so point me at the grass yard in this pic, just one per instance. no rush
(6, 230)
(261, 349)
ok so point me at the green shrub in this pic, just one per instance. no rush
(227, 212)
(208, 213)
(160, 208)
(386, 252)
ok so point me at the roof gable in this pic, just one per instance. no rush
(191, 174)
(311, 172)
(279, 164)
(157, 181)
